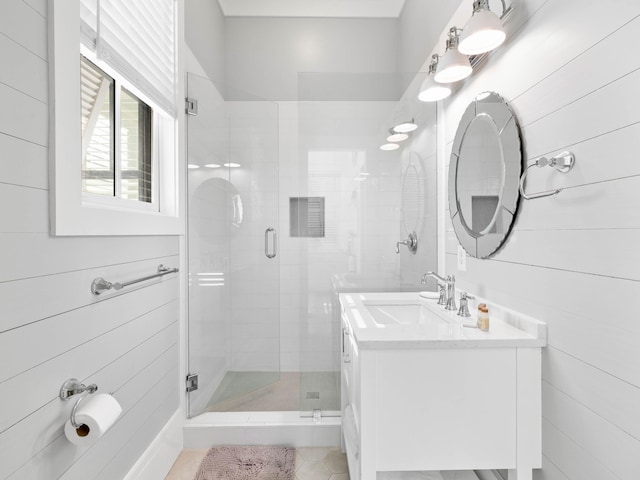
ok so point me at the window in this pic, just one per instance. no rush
(114, 77)
(98, 130)
(126, 172)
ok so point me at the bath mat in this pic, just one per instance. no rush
(248, 463)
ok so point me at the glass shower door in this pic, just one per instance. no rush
(234, 271)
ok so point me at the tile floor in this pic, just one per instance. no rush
(313, 463)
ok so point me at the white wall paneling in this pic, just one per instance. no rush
(33, 255)
(39, 6)
(20, 439)
(51, 326)
(31, 218)
(70, 290)
(569, 458)
(571, 256)
(135, 332)
(30, 74)
(592, 388)
(23, 163)
(24, 25)
(27, 119)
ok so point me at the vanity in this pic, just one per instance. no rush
(421, 391)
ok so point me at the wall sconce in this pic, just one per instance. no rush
(405, 127)
(483, 32)
(453, 66)
(397, 137)
(430, 90)
(399, 133)
(387, 147)
(465, 49)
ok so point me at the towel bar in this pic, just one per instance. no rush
(562, 163)
(100, 285)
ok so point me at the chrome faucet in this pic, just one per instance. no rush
(450, 283)
(411, 243)
(464, 304)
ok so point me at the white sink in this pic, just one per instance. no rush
(401, 314)
(395, 314)
(407, 320)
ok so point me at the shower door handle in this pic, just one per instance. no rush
(274, 250)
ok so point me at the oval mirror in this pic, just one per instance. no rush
(412, 207)
(218, 205)
(485, 167)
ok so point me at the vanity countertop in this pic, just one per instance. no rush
(404, 320)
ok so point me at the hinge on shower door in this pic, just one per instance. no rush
(192, 382)
(191, 106)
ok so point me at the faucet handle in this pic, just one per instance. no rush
(411, 243)
(464, 304)
(442, 300)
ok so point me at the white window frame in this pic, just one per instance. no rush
(71, 211)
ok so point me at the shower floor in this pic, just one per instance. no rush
(283, 391)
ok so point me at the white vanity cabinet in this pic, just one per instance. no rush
(431, 394)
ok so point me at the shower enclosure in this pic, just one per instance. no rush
(234, 267)
(289, 204)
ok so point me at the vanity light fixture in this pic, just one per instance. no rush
(213, 165)
(453, 66)
(483, 32)
(389, 146)
(232, 165)
(405, 127)
(397, 137)
(430, 90)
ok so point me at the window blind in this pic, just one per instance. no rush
(137, 39)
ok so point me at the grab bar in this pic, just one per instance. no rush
(100, 285)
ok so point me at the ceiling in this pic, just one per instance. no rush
(313, 8)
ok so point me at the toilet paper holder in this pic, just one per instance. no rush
(73, 387)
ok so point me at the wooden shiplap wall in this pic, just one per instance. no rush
(51, 326)
(570, 71)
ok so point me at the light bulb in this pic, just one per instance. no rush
(389, 146)
(397, 137)
(431, 91)
(453, 66)
(405, 127)
(482, 33)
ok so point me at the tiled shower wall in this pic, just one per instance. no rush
(330, 149)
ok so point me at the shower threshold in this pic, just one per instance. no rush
(262, 428)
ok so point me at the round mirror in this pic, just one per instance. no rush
(412, 208)
(485, 167)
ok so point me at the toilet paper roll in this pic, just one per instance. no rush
(95, 415)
